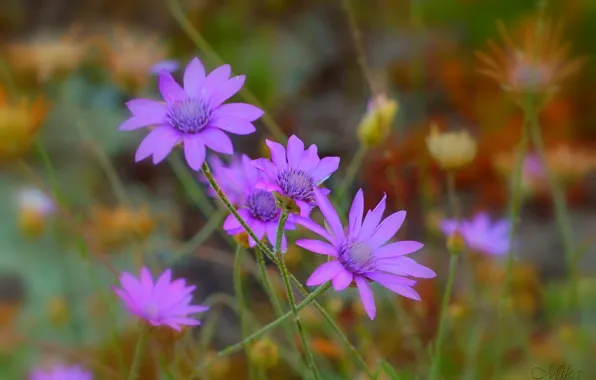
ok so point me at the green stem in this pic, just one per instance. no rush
(284, 274)
(136, 361)
(204, 46)
(436, 362)
(238, 346)
(351, 172)
(272, 257)
(452, 194)
(514, 218)
(264, 277)
(242, 306)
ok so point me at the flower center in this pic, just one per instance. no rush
(189, 116)
(356, 257)
(297, 184)
(261, 205)
(531, 76)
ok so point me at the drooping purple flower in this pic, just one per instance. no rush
(169, 65)
(164, 302)
(295, 173)
(61, 372)
(361, 251)
(480, 234)
(256, 206)
(194, 116)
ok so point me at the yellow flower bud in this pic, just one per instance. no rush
(264, 353)
(451, 150)
(376, 124)
(456, 243)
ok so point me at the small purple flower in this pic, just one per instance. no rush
(480, 235)
(61, 372)
(165, 302)
(533, 166)
(169, 65)
(362, 253)
(295, 173)
(193, 116)
(257, 207)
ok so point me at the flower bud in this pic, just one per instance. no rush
(286, 203)
(376, 124)
(242, 239)
(34, 210)
(264, 353)
(456, 243)
(451, 150)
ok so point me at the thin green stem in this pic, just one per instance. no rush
(436, 361)
(204, 46)
(136, 361)
(351, 172)
(357, 38)
(250, 339)
(452, 195)
(272, 257)
(242, 306)
(514, 218)
(284, 274)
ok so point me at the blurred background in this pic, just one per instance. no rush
(73, 197)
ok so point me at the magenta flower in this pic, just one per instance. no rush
(61, 372)
(295, 173)
(164, 302)
(257, 207)
(193, 116)
(362, 253)
(480, 234)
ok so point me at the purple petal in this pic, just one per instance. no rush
(481, 222)
(168, 65)
(259, 230)
(278, 154)
(448, 226)
(305, 208)
(242, 111)
(324, 273)
(324, 169)
(233, 124)
(266, 166)
(366, 296)
(295, 151)
(396, 249)
(251, 172)
(386, 230)
(266, 185)
(271, 231)
(330, 215)
(217, 140)
(404, 266)
(309, 159)
(227, 90)
(131, 285)
(170, 137)
(214, 80)
(194, 75)
(194, 151)
(317, 246)
(162, 284)
(342, 280)
(150, 111)
(312, 226)
(372, 219)
(170, 89)
(356, 213)
(133, 123)
(153, 143)
(184, 321)
(231, 223)
(387, 280)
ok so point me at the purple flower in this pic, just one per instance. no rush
(480, 235)
(256, 206)
(361, 252)
(533, 166)
(165, 302)
(61, 372)
(169, 65)
(295, 173)
(193, 116)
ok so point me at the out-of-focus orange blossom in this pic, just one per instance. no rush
(19, 123)
(117, 227)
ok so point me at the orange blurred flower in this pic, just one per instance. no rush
(130, 56)
(117, 227)
(536, 66)
(48, 54)
(19, 124)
